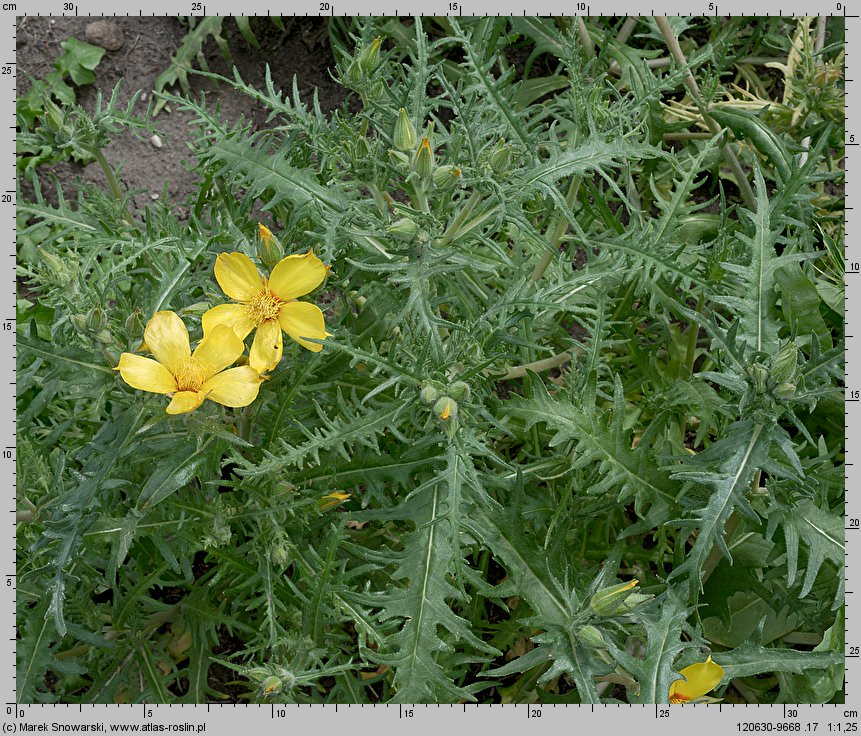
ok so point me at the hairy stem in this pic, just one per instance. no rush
(691, 83)
(113, 184)
(559, 229)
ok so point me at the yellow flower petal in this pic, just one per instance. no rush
(237, 276)
(167, 339)
(296, 275)
(219, 348)
(700, 678)
(233, 387)
(303, 319)
(235, 316)
(184, 401)
(267, 348)
(145, 374)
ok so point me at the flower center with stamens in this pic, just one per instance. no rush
(263, 305)
(190, 375)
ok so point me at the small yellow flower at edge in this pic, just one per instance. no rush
(269, 305)
(700, 678)
(188, 377)
(330, 500)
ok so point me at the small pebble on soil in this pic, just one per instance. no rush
(104, 33)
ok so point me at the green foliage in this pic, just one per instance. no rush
(579, 359)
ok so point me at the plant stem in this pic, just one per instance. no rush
(519, 371)
(112, 181)
(691, 83)
(559, 230)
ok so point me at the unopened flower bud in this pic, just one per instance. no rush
(447, 177)
(269, 249)
(360, 150)
(271, 685)
(135, 324)
(279, 553)
(423, 162)
(429, 394)
(759, 377)
(784, 390)
(56, 265)
(459, 391)
(404, 228)
(97, 318)
(405, 133)
(80, 322)
(445, 408)
(53, 116)
(369, 59)
(354, 72)
(500, 157)
(606, 602)
(784, 363)
(591, 637)
(632, 601)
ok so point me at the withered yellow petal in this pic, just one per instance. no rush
(219, 348)
(303, 319)
(235, 316)
(700, 678)
(267, 348)
(296, 275)
(184, 401)
(233, 387)
(167, 339)
(237, 276)
(145, 374)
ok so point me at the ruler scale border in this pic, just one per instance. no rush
(229, 718)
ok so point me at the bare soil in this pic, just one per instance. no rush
(302, 49)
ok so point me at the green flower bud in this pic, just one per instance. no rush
(423, 162)
(447, 177)
(459, 391)
(429, 394)
(591, 637)
(500, 157)
(606, 602)
(97, 318)
(269, 249)
(135, 324)
(784, 364)
(759, 376)
(360, 150)
(80, 322)
(404, 228)
(354, 73)
(399, 159)
(53, 116)
(279, 553)
(405, 133)
(369, 59)
(56, 265)
(104, 337)
(271, 685)
(445, 408)
(632, 601)
(784, 391)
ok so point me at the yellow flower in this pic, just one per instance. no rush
(700, 678)
(332, 499)
(269, 305)
(190, 378)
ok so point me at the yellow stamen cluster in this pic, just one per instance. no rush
(264, 305)
(191, 375)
